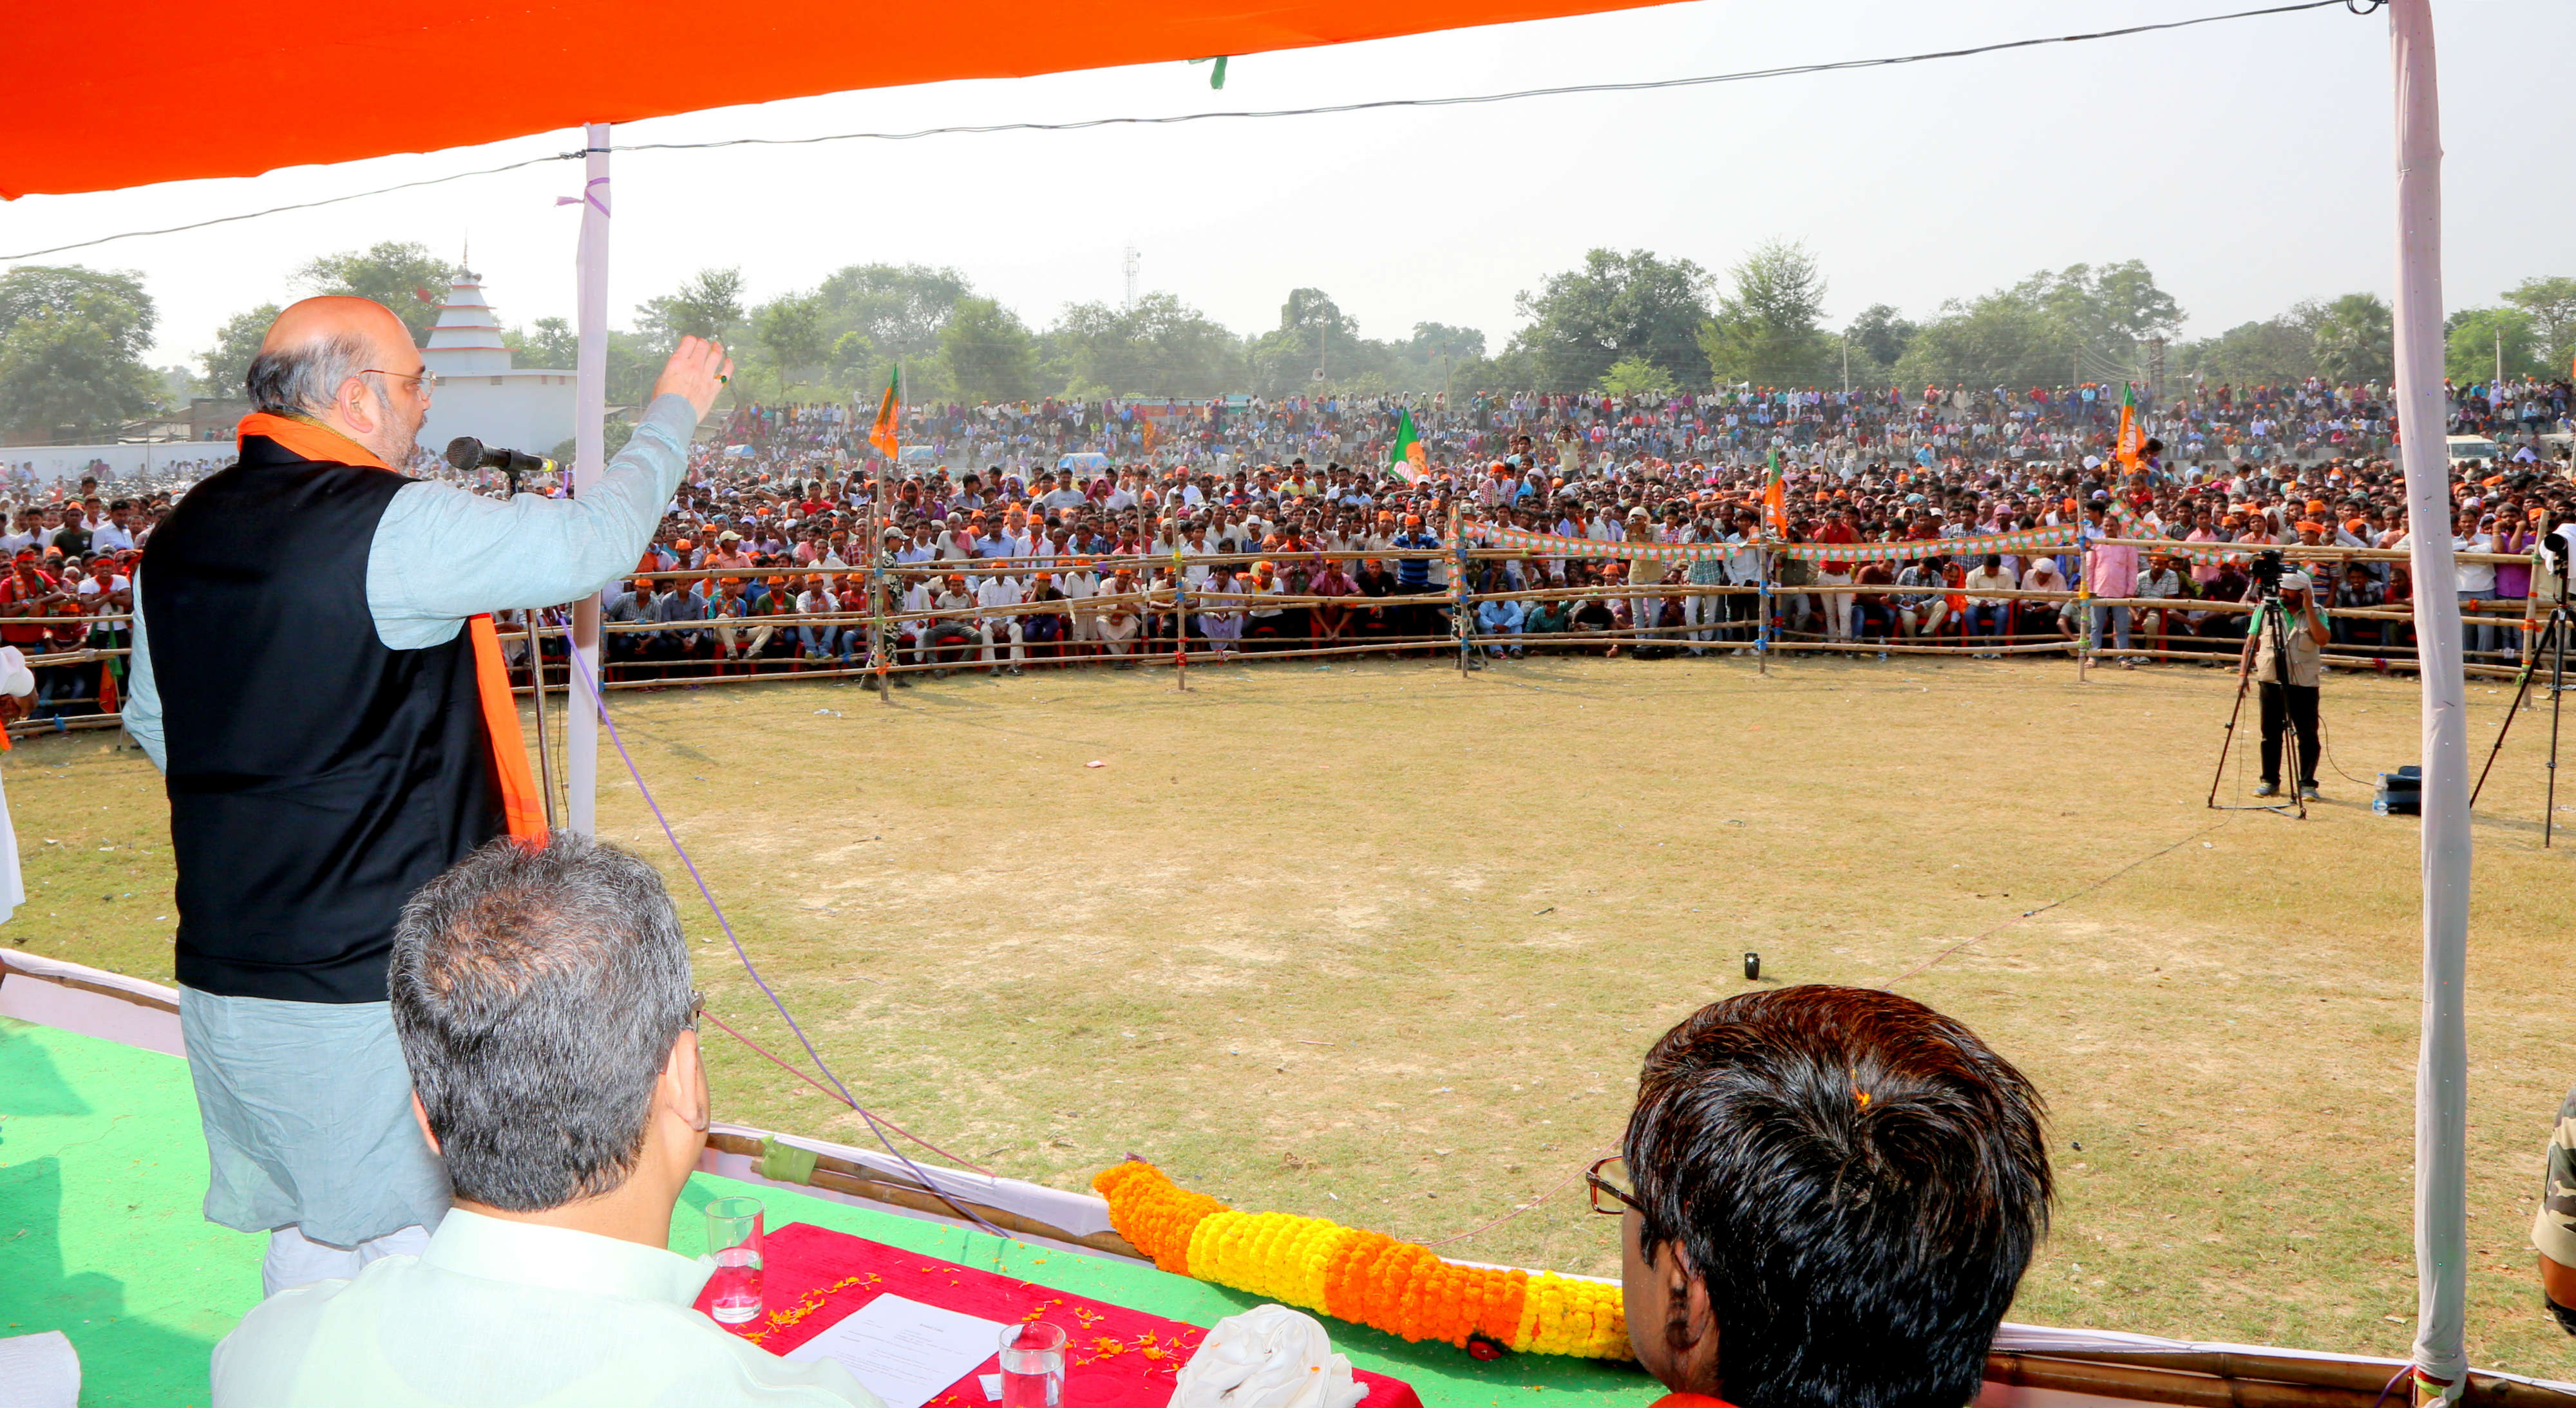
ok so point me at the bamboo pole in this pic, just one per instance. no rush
(1181, 614)
(1762, 611)
(1464, 625)
(880, 639)
(860, 1180)
(2084, 624)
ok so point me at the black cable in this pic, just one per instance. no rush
(2069, 897)
(299, 205)
(2325, 745)
(1648, 85)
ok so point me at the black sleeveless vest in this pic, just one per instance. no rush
(316, 778)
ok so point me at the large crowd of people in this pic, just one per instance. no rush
(2305, 421)
(1068, 530)
(1060, 506)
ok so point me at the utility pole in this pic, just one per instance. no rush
(2499, 376)
(1846, 364)
(2155, 369)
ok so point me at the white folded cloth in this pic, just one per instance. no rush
(39, 1371)
(1268, 1357)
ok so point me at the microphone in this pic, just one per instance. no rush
(466, 452)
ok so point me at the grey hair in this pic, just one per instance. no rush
(304, 379)
(537, 994)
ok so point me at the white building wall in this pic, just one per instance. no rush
(70, 462)
(518, 410)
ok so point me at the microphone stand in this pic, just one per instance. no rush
(537, 682)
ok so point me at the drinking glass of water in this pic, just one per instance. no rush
(733, 1242)
(1033, 1365)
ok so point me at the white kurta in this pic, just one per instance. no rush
(17, 679)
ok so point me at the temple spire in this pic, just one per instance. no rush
(467, 337)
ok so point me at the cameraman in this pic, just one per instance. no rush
(2288, 698)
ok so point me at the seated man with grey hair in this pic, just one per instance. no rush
(542, 1000)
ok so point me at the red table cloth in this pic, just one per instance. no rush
(1114, 1357)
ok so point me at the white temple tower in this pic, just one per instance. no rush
(479, 392)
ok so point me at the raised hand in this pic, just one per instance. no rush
(697, 370)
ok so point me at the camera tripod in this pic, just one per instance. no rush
(2553, 643)
(2269, 615)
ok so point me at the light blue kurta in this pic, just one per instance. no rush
(307, 1106)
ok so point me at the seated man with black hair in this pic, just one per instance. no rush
(1828, 1197)
(543, 1004)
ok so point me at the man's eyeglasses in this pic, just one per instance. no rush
(1609, 1180)
(422, 380)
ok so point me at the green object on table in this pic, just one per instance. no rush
(785, 1163)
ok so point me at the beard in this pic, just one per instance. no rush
(397, 437)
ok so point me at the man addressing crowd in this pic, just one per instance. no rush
(335, 728)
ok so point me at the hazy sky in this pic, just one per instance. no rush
(2247, 162)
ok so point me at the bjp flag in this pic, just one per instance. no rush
(2133, 436)
(882, 434)
(1775, 500)
(1406, 454)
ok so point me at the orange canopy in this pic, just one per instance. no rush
(111, 93)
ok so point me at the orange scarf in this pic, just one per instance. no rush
(520, 804)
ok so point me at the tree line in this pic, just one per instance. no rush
(73, 339)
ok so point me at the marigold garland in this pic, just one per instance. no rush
(1368, 1278)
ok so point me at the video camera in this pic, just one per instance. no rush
(2549, 584)
(2266, 572)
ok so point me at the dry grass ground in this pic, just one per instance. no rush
(1381, 943)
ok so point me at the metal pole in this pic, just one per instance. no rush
(537, 692)
(589, 463)
(2441, 1070)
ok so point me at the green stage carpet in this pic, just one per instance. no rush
(102, 1173)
